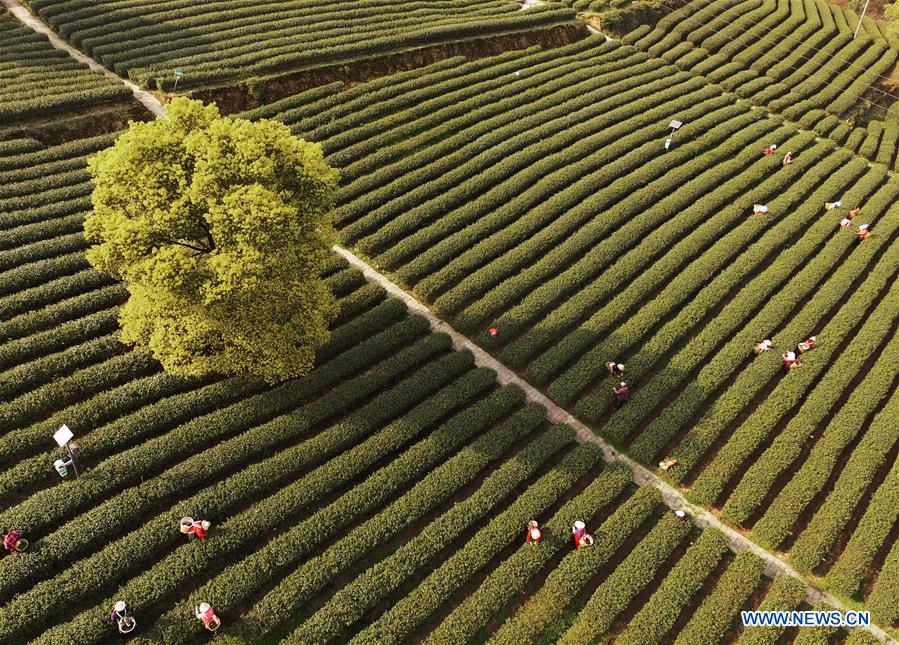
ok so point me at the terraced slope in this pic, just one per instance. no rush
(379, 499)
(796, 57)
(528, 191)
(220, 42)
(38, 80)
(533, 194)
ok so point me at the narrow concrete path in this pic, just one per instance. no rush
(35, 24)
(673, 498)
(528, 4)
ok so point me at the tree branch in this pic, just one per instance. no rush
(208, 234)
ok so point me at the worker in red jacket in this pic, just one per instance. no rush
(790, 360)
(12, 541)
(206, 615)
(533, 533)
(195, 528)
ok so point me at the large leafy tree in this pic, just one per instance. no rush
(219, 228)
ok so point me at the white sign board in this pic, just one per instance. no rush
(675, 124)
(63, 436)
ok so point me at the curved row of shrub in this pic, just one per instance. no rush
(216, 45)
(45, 81)
(352, 602)
(575, 267)
(792, 56)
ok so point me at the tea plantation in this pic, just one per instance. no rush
(528, 197)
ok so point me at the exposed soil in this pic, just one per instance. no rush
(86, 122)
(755, 599)
(163, 604)
(537, 581)
(238, 98)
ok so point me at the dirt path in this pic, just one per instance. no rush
(642, 475)
(35, 24)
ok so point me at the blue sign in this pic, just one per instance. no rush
(179, 73)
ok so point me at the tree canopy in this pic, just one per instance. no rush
(219, 228)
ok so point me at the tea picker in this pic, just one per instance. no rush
(123, 620)
(194, 528)
(578, 531)
(580, 535)
(533, 533)
(13, 541)
(206, 615)
(622, 393)
(668, 464)
(63, 438)
(770, 149)
(790, 361)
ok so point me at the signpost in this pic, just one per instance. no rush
(674, 125)
(63, 438)
(178, 74)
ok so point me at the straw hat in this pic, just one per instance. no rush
(621, 366)
(579, 525)
(120, 605)
(623, 384)
(532, 524)
(204, 607)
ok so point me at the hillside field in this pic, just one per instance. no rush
(526, 196)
